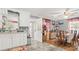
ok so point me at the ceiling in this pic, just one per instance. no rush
(53, 13)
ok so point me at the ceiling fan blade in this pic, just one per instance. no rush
(75, 10)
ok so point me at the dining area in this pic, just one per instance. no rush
(64, 34)
(70, 42)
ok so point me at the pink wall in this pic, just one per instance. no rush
(47, 23)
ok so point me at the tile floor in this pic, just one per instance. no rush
(37, 46)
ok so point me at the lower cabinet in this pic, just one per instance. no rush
(15, 40)
(12, 40)
(5, 41)
(24, 38)
(19, 40)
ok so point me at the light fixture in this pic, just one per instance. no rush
(65, 17)
(66, 13)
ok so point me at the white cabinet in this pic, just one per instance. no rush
(18, 39)
(2, 42)
(25, 38)
(15, 40)
(20, 42)
(5, 41)
(11, 40)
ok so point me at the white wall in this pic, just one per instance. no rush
(24, 18)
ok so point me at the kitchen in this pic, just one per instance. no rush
(29, 29)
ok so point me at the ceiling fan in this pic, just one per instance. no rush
(65, 14)
(69, 12)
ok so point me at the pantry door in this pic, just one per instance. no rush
(36, 29)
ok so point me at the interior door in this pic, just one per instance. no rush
(36, 29)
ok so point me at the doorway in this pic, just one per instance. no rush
(36, 30)
(46, 26)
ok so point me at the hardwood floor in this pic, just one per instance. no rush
(67, 47)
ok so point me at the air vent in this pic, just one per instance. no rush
(35, 17)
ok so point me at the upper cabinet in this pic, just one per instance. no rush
(9, 19)
(13, 18)
(24, 18)
(0, 18)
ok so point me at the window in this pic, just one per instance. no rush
(13, 20)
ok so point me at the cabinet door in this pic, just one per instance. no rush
(24, 38)
(15, 39)
(5, 42)
(10, 40)
(1, 42)
(20, 39)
